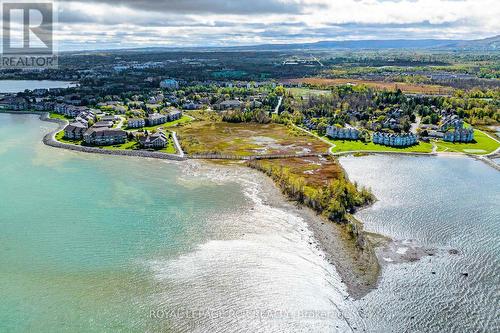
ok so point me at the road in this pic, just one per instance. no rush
(120, 124)
(416, 125)
(277, 109)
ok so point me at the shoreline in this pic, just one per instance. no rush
(50, 140)
(359, 268)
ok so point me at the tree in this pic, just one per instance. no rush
(280, 91)
(321, 128)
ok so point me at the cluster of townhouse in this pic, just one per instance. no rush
(395, 139)
(451, 129)
(99, 133)
(459, 135)
(104, 136)
(155, 119)
(455, 130)
(382, 138)
(14, 103)
(337, 132)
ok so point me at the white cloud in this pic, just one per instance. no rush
(230, 22)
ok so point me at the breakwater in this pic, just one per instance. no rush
(251, 157)
(50, 140)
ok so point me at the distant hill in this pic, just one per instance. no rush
(357, 45)
(487, 44)
(492, 43)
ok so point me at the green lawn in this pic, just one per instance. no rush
(347, 145)
(126, 146)
(170, 149)
(305, 92)
(59, 116)
(483, 145)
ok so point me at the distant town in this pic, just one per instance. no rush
(386, 118)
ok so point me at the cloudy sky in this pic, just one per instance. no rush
(133, 23)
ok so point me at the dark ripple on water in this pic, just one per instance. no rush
(443, 203)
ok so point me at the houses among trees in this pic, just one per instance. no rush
(338, 132)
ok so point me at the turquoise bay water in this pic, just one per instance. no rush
(73, 228)
(108, 244)
(15, 86)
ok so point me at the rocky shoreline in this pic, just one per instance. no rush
(357, 265)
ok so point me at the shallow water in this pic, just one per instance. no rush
(442, 203)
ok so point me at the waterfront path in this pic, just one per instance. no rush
(177, 145)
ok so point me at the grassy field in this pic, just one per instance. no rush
(183, 120)
(405, 87)
(170, 148)
(492, 130)
(305, 92)
(59, 116)
(347, 145)
(483, 145)
(316, 171)
(245, 139)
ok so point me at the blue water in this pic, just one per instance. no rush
(440, 203)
